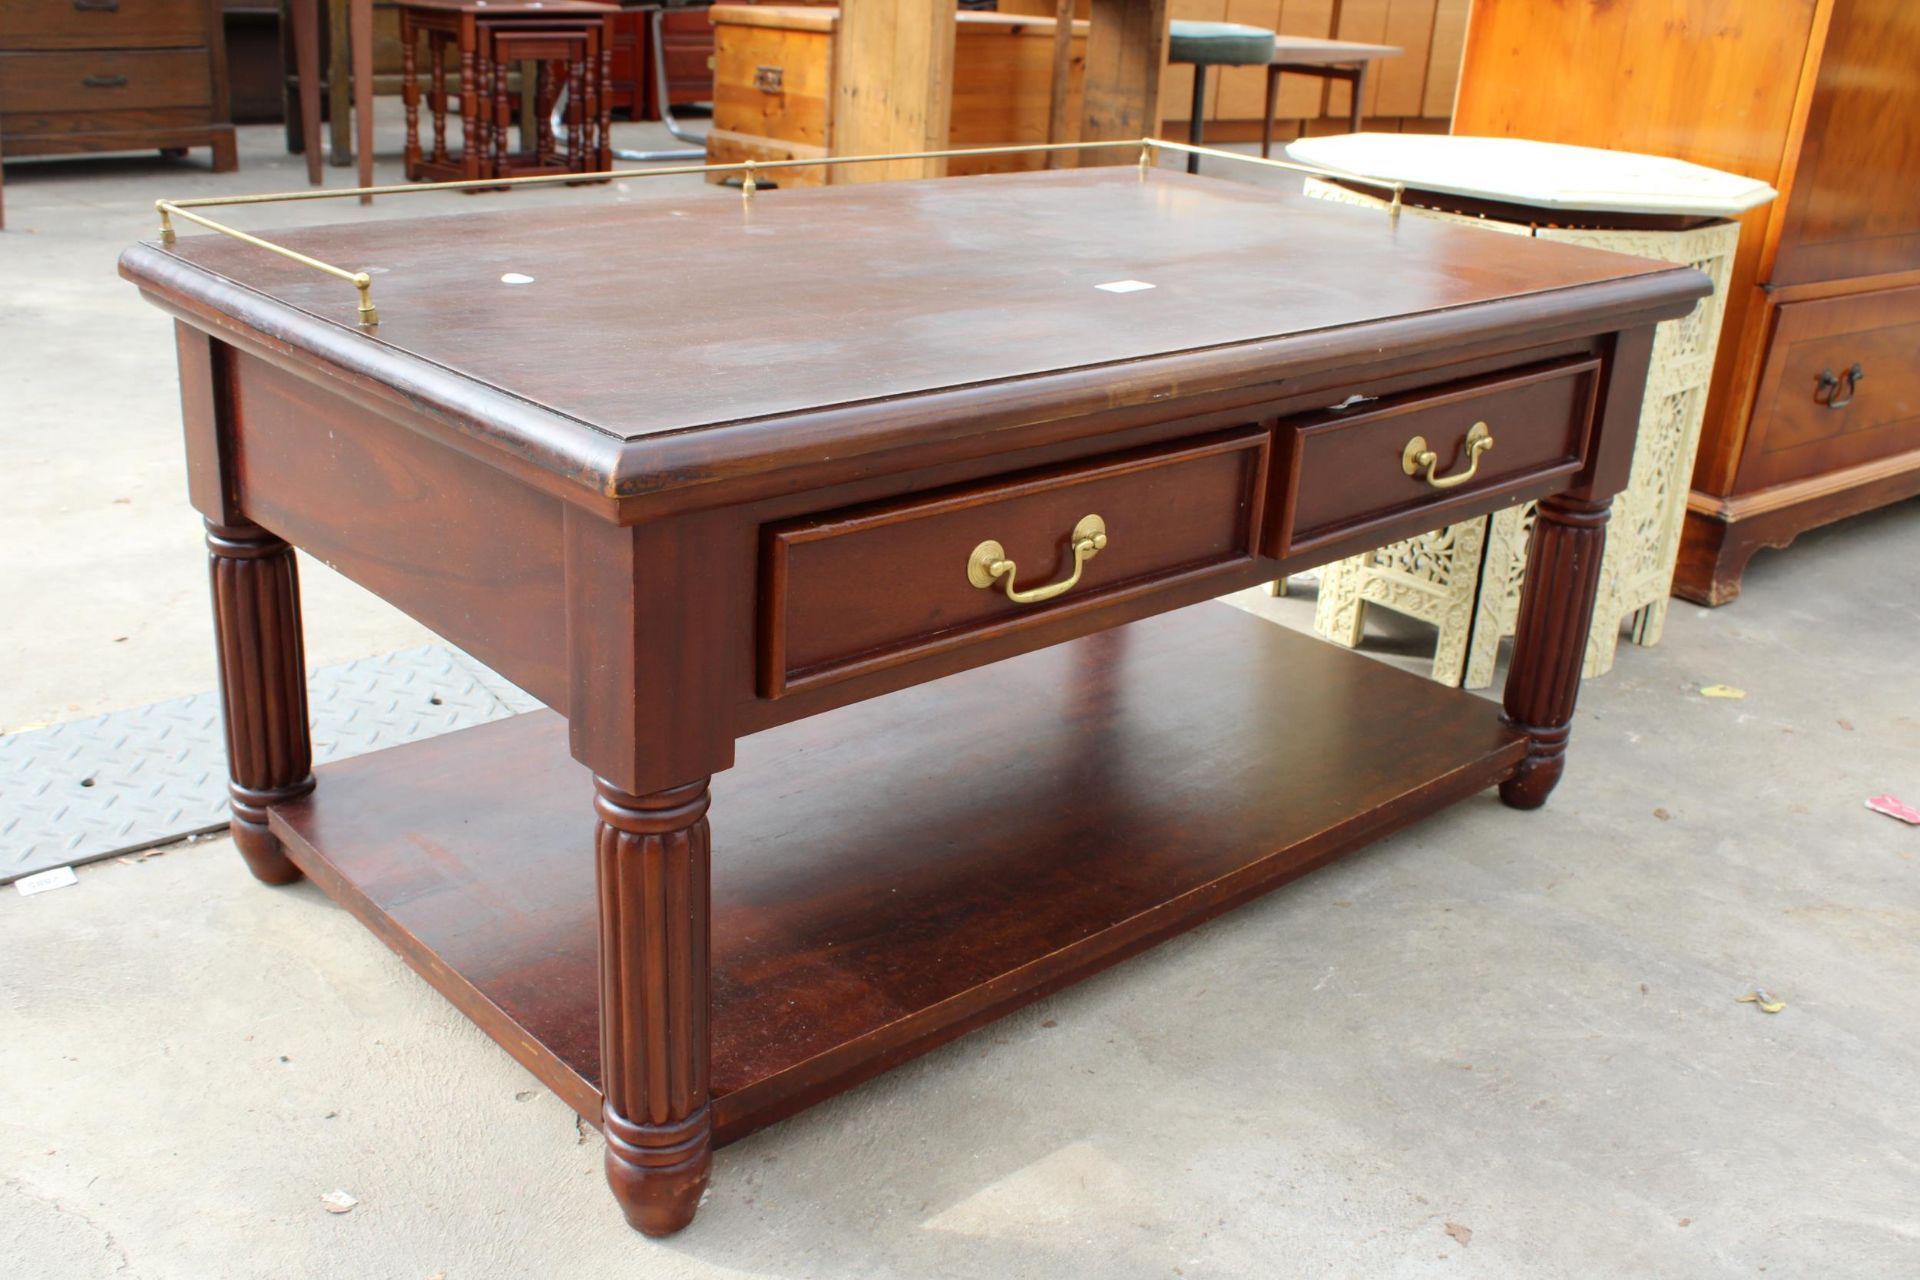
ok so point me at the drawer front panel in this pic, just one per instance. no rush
(103, 81)
(869, 588)
(102, 24)
(1347, 471)
(1812, 412)
(67, 132)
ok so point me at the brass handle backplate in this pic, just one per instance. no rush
(1416, 457)
(989, 564)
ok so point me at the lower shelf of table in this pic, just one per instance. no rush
(892, 874)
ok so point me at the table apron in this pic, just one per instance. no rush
(654, 638)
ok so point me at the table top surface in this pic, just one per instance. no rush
(1544, 175)
(1314, 49)
(665, 316)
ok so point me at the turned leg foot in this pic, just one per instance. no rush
(652, 867)
(1550, 643)
(658, 1173)
(1539, 773)
(257, 844)
(263, 686)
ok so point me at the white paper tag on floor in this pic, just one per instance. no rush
(1124, 286)
(41, 881)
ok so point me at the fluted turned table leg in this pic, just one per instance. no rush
(1549, 647)
(652, 866)
(263, 686)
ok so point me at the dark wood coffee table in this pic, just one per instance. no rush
(881, 555)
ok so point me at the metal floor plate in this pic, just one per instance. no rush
(89, 789)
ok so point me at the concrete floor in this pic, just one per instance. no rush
(1497, 1044)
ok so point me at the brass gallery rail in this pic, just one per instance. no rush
(749, 169)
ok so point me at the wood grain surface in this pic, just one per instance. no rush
(899, 289)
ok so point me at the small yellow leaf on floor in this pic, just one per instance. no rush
(1764, 999)
(1722, 691)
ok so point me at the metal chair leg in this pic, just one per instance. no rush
(1196, 125)
(660, 99)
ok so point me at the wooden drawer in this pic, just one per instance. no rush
(102, 24)
(858, 590)
(1344, 476)
(1811, 414)
(104, 80)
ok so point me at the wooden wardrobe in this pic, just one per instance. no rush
(1815, 409)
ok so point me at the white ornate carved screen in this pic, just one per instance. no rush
(1465, 579)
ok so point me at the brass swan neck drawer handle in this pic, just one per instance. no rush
(989, 564)
(1416, 457)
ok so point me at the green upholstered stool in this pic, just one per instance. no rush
(1214, 44)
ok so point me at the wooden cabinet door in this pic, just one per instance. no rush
(1854, 209)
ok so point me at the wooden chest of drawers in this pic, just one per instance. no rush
(113, 75)
(778, 91)
(1814, 412)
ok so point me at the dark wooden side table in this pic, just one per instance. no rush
(893, 593)
(453, 32)
(1340, 61)
(576, 59)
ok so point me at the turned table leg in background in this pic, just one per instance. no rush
(361, 40)
(651, 862)
(437, 95)
(410, 96)
(306, 62)
(470, 166)
(1549, 647)
(263, 686)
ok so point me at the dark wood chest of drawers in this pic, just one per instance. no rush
(113, 75)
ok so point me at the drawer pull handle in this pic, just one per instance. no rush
(104, 82)
(1828, 393)
(989, 564)
(97, 6)
(1416, 457)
